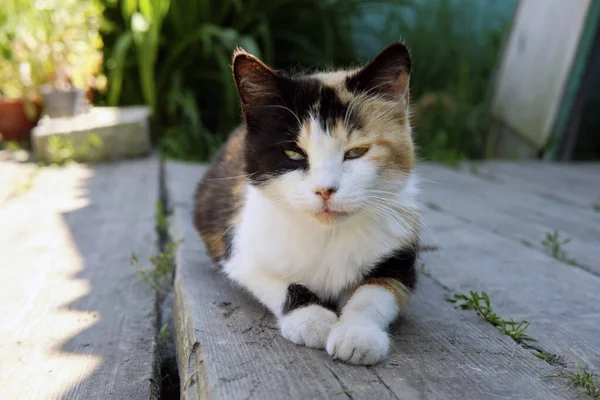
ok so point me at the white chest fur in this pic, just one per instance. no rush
(325, 259)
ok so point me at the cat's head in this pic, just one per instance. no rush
(332, 144)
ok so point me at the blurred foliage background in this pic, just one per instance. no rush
(175, 55)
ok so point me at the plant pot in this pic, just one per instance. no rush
(89, 95)
(14, 123)
(62, 103)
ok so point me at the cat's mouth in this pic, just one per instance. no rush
(329, 216)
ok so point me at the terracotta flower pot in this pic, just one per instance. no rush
(14, 124)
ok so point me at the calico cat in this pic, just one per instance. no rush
(311, 204)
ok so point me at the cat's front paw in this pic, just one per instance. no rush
(308, 325)
(358, 344)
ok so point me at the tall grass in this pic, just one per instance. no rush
(175, 56)
(455, 51)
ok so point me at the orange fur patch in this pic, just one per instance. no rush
(220, 196)
(401, 293)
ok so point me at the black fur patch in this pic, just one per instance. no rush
(274, 128)
(400, 266)
(299, 296)
(332, 109)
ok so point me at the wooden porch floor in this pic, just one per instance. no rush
(74, 322)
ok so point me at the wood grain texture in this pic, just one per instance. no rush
(480, 249)
(229, 346)
(74, 321)
(520, 215)
(573, 184)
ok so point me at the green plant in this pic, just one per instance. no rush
(163, 336)
(548, 357)
(555, 247)
(582, 377)
(163, 264)
(63, 150)
(175, 55)
(161, 217)
(482, 304)
(55, 42)
(597, 207)
(454, 63)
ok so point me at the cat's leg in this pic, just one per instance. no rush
(360, 336)
(301, 315)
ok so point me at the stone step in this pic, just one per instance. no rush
(103, 133)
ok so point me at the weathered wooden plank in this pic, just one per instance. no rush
(75, 322)
(563, 183)
(562, 302)
(521, 216)
(229, 347)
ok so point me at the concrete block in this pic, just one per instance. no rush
(103, 133)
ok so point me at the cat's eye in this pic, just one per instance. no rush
(355, 152)
(294, 155)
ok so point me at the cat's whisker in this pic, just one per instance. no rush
(411, 217)
(235, 194)
(229, 177)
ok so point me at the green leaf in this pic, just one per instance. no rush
(119, 56)
(128, 7)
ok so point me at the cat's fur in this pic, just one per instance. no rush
(328, 242)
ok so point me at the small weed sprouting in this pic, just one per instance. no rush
(597, 207)
(554, 245)
(163, 264)
(61, 151)
(162, 336)
(482, 304)
(515, 329)
(581, 377)
(161, 217)
(550, 358)
(433, 206)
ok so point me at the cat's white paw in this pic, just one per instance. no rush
(358, 344)
(308, 325)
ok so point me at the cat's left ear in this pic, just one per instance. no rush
(257, 83)
(387, 75)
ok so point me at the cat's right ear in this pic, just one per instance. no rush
(256, 83)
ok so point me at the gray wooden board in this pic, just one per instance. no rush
(521, 216)
(561, 302)
(569, 183)
(74, 321)
(229, 347)
(527, 206)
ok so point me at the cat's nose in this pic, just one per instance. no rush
(325, 193)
